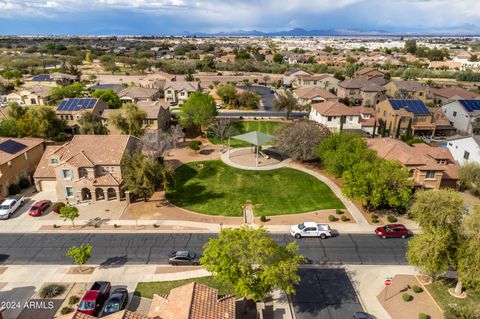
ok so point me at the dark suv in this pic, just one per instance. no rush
(183, 257)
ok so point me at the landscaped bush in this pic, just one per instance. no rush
(344, 218)
(391, 219)
(407, 297)
(338, 211)
(463, 312)
(14, 189)
(194, 145)
(374, 216)
(23, 183)
(263, 218)
(374, 219)
(52, 291)
(73, 300)
(332, 218)
(417, 289)
(423, 316)
(66, 310)
(56, 207)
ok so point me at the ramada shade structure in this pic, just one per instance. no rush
(255, 138)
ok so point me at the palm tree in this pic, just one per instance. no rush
(286, 102)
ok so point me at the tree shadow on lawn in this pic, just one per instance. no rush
(191, 195)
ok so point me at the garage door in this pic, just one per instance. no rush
(48, 186)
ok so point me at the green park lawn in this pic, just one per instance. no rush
(247, 126)
(219, 189)
(439, 292)
(147, 289)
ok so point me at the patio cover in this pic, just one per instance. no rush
(254, 137)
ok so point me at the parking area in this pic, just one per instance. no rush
(325, 294)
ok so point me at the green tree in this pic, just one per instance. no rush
(189, 76)
(340, 151)
(109, 97)
(68, 212)
(411, 46)
(469, 252)
(141, 174)
(228, 93)
(167, 174)
(287, 102)
(130, 121)
(88, 57)
(91, 124)
(252, 262)
(68, 91)
(199, 109)
(16, 111)
(277, 58)
(249, 100)
(378, 183)
(80, 254)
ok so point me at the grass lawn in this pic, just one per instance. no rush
(147, 289)
(245, 127)
(219, 189)
(439, 291)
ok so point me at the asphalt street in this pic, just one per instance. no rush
(110, 249)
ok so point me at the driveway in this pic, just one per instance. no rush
(325, 294)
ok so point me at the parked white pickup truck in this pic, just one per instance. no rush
(10, 205)
(311, 229)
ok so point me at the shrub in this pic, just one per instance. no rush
(23, 183)
(66, 310)
(344, 218)
(156, 225)
(391, 219)
(73, 300)
(464, 312)
(422, 315)
(417, 289)
(56, 207)
(407, 297)
(338, 211)
(116, 225)
(374, 216)
(194, 145)
(52, 291)
(332, 218)
(14, 189)
(374, 219)
(263, 218)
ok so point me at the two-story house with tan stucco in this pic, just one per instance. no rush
(85, 169)
(70, 110)
(178, 92)
(361, 92)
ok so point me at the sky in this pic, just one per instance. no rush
(172, 17)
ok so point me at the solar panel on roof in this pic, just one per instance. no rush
(414, 106)
(76, 104)
(12, 147)
(470, 105)
(42, 77)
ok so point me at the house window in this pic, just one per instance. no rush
(112, 169)
(25, 156)
(430, 175)
(410, 172)
(9, 164)
(350, 118)
(454, 114)
(67, 174)
(466, 155)
(69, 192)
(53, 161)
(329, 119)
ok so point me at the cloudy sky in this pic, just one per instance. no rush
(176, 16)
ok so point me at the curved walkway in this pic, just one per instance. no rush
(354, 211)
(227, 160)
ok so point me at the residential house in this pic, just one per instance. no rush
(465, 149)
(429, 167)
(312, 94)
(18, 159)
(464, 115)
(330, 114)
(324, 81)
(35, 95)
(51, 80)
(178, 91)
(368, 73)
(158, 116)
(361, 92)
(406, 90)
(448, 94)
(85, 169)
(134, 94)
(71, 110)
(190, 301)
(290, 75)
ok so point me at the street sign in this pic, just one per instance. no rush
(388, 282)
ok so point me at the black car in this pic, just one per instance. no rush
(117, 302)
(361, 315)
(183, 257)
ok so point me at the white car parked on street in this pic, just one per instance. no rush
(311, 229)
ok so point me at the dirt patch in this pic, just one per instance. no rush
(81, 270)
(171, 270)
(123, 228)
(318, 217)
(77, 291)
(391, 299)
(3, 269)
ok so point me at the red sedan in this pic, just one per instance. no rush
(392, 230)
(39, 208)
